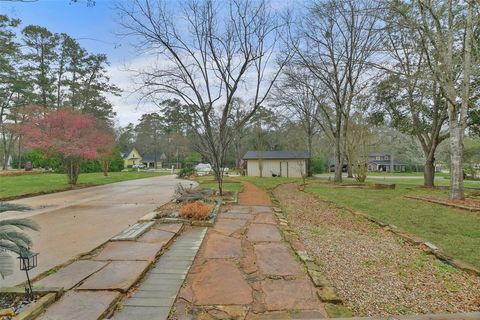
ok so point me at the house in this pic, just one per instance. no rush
(133, 158)
(276, 163)
(385, 163)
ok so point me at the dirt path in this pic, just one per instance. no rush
(253, 196)
(374, 271)
(245, 270)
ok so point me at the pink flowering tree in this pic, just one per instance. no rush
(69, 135)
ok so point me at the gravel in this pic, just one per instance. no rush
(374, 271)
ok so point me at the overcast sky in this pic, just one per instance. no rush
(96, 28)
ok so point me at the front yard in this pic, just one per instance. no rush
(456, 232)
(31, 184)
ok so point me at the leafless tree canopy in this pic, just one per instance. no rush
(208, 54)
(336, 43)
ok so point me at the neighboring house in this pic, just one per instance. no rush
(276, 163)
(385, 163)
(133, 158)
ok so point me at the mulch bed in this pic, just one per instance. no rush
(466, 204)
(15, 302)
(375, 272)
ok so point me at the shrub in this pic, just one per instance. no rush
(185, 172)
(318, 165)
(196, 210)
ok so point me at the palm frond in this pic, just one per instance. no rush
(6, 264)
(21, 224)
(9, 246)
(20, 239)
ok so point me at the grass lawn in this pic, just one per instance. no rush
(13, 186)
(456, 232)
(268, 183)
(407, 178)
(228, 184)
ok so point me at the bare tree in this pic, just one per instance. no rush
(211, 53)
(409, 93)
(359, 143)
(445, 30)
(299, 104)
(336, 43)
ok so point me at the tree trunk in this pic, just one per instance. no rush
(349, 169)
(429, 173)
(456, 159)
(338, 161)
(105, 168)
(73, 170)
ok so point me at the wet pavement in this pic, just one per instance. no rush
(77, 221)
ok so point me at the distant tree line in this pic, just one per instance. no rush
(52, 70)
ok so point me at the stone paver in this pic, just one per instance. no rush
(265, 217)
(235, 215)
(220, 282)
(157, 292)
(258, 232)
(290, 294)
(171, 227)
(129, 250)
(220, 246)
(276, 259)
(81, 305)
(229, 226)
(156, 236)
(72, 274)
(137, 313)
(245, 270)
(117, 275)
(134, 231)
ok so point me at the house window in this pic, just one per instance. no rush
(378, 158)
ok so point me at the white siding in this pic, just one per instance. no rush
(290, 168)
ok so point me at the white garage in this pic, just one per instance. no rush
(292, 164)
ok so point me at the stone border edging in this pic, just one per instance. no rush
(448, 316)
(412, 239)
(326, 292)
(445, 203)
(333, 304)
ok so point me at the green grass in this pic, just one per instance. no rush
(22, 185)
(228, 184)
(414, 178)
(456, 232)
(268, 183)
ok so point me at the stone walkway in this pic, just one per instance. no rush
(156, 294)
(245, 270)
(97, 282)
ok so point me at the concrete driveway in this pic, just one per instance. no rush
(77, 221)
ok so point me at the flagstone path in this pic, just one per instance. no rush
(245, 270)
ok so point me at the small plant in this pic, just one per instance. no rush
(5, 206)
(185, 173)
(12, 240)
(197, 210)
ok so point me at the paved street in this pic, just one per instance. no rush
(77, 221)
